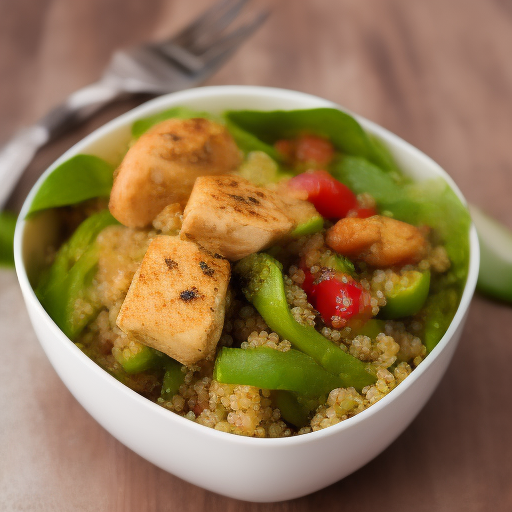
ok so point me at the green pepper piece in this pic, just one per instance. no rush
(339, 263)
(266, 368)
(407, 300)
(371, 328)
(309, 227)
(295, 409)
(263, 286)
(63, 289)
(139, 358)
(259, 168)
(173, 379)
(437, 315)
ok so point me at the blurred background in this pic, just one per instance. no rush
(436, 73)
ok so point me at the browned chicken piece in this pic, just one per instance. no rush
(297, 208)
(161, 167)
(378, 241)
(176, 301)
(230, 216)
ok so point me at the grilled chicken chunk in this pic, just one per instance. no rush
(230, 216)
(176, 301)
(161, 167)
(378, 241)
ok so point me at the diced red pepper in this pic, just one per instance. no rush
(330, 197)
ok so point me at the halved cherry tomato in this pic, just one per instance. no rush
(331, 198)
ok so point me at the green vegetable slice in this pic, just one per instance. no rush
(263, 286)
(143, 125)
(437, 315)
(339, 263)
(371, 328)
(7, 226)
(295, 409)
(259, 168)
(309, 227)
(173, 379)
(266, 368)
(138, 358)
(495, 274)
(63, 289)
(80, 178)
(407, 300)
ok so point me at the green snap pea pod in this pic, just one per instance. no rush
(173, 379)
(267, 368)
(407, 300)
(63, 290)
(263, 286)
(437, 316)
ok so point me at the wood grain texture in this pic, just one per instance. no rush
(438, 74)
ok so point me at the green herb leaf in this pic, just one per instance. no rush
(80, 178)
(7, 225)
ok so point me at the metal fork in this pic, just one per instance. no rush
(182, 61)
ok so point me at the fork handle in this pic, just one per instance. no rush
(18, 152)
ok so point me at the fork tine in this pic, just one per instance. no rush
(223, 47)
(212, 21)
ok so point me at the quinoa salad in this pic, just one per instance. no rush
(265, 274)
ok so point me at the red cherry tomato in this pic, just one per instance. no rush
(337, 297)
(338, 301)
(307, 284)
(331, 198)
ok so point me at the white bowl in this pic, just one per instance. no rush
(245, 468)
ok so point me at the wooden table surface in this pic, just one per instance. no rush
(437, 73)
